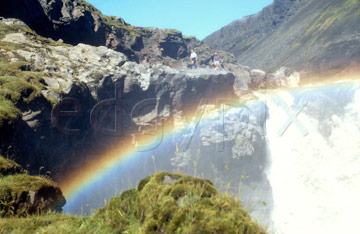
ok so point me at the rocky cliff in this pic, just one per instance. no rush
(76, 21)
(79, 22)
(308, 35)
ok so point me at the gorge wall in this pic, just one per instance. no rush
(38, 73)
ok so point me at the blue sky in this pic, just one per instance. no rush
(193, 17)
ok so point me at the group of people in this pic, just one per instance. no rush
(216, 59)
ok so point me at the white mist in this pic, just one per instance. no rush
(315, 179)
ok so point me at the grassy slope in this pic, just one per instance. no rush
(189, 205)
(8, 166)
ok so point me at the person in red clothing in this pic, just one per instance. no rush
(217, 61)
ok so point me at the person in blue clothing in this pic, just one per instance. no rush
(217, 61)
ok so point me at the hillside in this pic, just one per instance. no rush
(307, 35)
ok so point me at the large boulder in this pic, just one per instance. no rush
(22, 195)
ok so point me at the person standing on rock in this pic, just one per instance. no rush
(217, 61)
(193, 59)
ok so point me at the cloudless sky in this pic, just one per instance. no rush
(197, 18)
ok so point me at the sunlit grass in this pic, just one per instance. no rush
(161, 203)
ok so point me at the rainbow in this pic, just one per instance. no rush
(125, 153)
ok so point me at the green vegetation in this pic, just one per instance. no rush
(146, 29)
(189, 37)
(161, 203)
(120, 25)
(171, 31)
(97, 75)
(9, 46)
(8, 112)
(84, 5)
(8, 166)
(24, 182)
(88, 7)
(112, 21)
(127, 29)
(6, 29)
(14, 194)
(17, 86)
(22, 194)
(51, 223)
(31, 35)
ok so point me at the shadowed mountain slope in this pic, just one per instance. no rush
(307, 35)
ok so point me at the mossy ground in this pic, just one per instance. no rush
(24, 182)
(14, 191)
(19, 83)
(8, 166)
(17, 87)
(185, 205)
(15, 185)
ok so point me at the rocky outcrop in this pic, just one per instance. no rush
(184, 197)
(311, 36)
(79, 22)
(22, 195)
(76, 21)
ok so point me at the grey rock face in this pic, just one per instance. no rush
(170, 180)
(77, 22)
